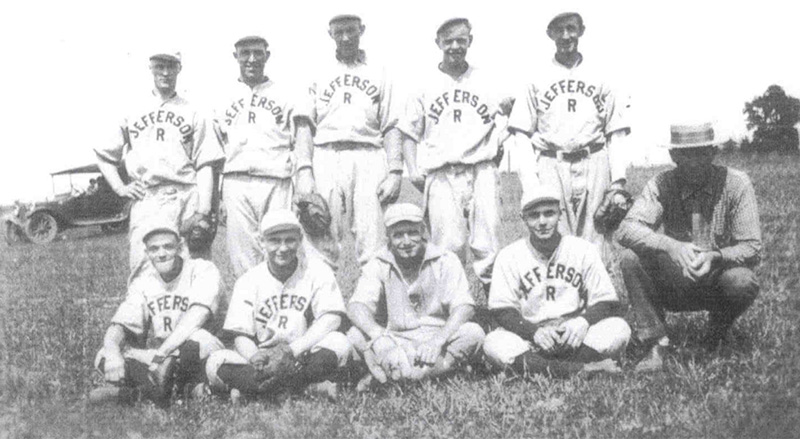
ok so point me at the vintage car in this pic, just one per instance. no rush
(41, 222)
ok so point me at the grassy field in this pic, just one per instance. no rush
(56, 300)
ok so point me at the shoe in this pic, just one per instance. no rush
(196, 391)
(653, 361)
(326, 389)
(607, 366)
(237, 398)
(112, 394)
(365, 383)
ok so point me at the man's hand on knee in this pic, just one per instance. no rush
(547, 338)
(427, 353)
(573, 331)
(114, 368)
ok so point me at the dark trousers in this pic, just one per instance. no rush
(655, 284)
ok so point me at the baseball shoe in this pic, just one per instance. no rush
(196, 392)
(653, 361)
(607, 366)
(237, 398)
(112, 394)
(326, 389)
(365, 383)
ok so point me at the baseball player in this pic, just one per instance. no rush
(290, 303)
(452, 122)
(553, 300)
(412, 304)
(357, 162)
(574, 122)
(257, 127)
(171, 300)
(162, 143)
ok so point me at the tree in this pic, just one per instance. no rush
(772, 117)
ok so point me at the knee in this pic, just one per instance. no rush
(357, 339)
(337, 343)
(609, 337)
(501, 347)
(739, 283)
(215, 361)
(471, 333)
(205, 343)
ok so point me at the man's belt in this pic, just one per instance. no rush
(572, 156)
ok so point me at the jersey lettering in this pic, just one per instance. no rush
(279, 302)
(532, 278)
(352, 82)
(282, 322)
(571, 105)
(550, 293)
(347, 96)
(457, 115)
(159, 119)
(167, 324)
(574, 88)
(160, 134)
(251, 118)
(466, 99)
(168, 302)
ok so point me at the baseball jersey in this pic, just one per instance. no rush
(154, 304)
(262, 305)
(440, 287)
(351, 103)
(567, 108)
(453, 120)
(162, 141)
(256, 128)
(573, 279)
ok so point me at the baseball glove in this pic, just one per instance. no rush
(313, 213)
(199, 232)
(611, 211)
(275, 366)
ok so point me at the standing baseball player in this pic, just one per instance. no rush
(257, 127)
(452, 122)
(357, 162)
(162, 143)
(412, 306)
(283, 318)
(172, 299)
(553, 299)
(575, 124)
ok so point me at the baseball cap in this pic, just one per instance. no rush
(562, 16)
(451, 22)
(160, 226)
(402, 212)
(249, 39)
(538, 194)
(344, 17)
(279, 220)
(170, 55)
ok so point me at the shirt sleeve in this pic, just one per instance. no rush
(745, 228)
(412, 122)
(113, 149)
(327, 296)
(616, 109)
(523, 115)
(505, 282)
(638, 230)
(388, 109)
(205, 286)
(132, 313)
(457, 290)
(369, 287)
(240, 317)
(207, 149)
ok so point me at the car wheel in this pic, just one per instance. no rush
(14, 234)
(112, 228)
(42, 228)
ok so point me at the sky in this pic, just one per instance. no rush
(70, 67)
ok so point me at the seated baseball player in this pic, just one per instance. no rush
(553, 300)
(411, 306)
(704, 258)
(170, 300)
(283, 318)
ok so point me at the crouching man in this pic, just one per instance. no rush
(171, 299)
(283, 318)
(553, 300)
(412, 305)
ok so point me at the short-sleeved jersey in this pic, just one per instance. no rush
(567, 108)
(154, 304)
(453, 120)
(351, 103)
(573, 279)
(440, 287)
(262, 304)
(162, 141)
(256, 128)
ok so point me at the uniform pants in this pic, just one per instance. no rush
(170, 203)
(247, 199)
(655, 284)
(334, 341)
(462, 345)
(347, 175)
(609, 337)
(462, 208)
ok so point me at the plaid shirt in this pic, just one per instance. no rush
(721, 215)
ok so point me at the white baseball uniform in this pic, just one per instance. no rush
(352, 109)
(564, 286)
(154, 307)
(262, 308)
(162, 144)
(256, 128)
(453, 123)
(566, 110)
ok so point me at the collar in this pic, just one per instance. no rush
(157, 96)
(265, 81)
(466, 73)
(360, 59)
(578, 64)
